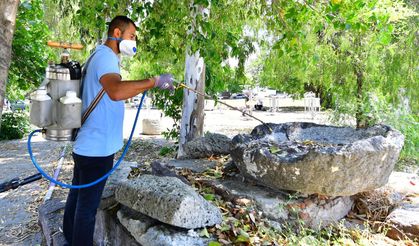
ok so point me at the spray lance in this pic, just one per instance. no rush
(206, 96)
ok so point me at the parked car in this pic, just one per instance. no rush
(239, 96)
(224, 95)
(17, 105)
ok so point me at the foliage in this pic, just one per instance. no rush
(400, 117)
(29, 50)
(343, 50)
(164, 35)
(14, 125)
(164, 151)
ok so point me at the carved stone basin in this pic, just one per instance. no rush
(312, 158)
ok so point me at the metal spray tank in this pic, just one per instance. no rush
(56, 106)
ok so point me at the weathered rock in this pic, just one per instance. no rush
(135, 222)
(108, 230)
(168, 200)
(230, 167)
(51, 219)
(161, 169)
(283, 207)
(148, 231)
(120, 175)
(270, 203)
(330, 212)
(312, 158)
(211, 144)
(195, 165)
(164, 236)
(404, 221)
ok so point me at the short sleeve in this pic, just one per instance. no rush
(106, 64)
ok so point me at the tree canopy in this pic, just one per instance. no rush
(358, 56)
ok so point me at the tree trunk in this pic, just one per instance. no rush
(8, 10)
(360, 120)
(192, 124)
(358, 69)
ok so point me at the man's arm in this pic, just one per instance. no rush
(121, 90)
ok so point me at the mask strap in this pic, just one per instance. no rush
(116, 39)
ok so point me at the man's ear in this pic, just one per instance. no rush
(117, 33)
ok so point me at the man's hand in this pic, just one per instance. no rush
(164, 82)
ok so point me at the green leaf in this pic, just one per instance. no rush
(274, 149)
(204, 233)
(214, 243)
(242, 239)
(209, 197)
(225, 228)
(385, 38)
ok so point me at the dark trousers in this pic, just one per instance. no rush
(81, 206)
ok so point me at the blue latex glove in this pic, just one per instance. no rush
(164, 82)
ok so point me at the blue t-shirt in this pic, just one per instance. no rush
(101, 133)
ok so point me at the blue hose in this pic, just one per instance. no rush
(98, 180)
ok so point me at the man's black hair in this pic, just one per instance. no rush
(121, 22)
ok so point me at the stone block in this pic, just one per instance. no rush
(211, 144)
(195, 165)
(281, 207)
(404, 221)
(168, 200)
(51, 220)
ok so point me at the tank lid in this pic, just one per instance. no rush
(71, 94)
(70, 97)
(41, 92)
(40, 95)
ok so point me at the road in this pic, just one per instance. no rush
(228, 122)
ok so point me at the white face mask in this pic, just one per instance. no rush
(126, 47)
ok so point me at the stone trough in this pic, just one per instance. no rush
(311, 158)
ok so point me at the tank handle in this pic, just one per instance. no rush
(65, 45)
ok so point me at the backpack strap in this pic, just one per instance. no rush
(92, 105)
(95, 101)
(99, 95)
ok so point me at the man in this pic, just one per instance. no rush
(100, 137)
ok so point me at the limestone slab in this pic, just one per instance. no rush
(168, 200)
(404, 221)
(51, 219)
(282, 207)
(164, 236)
(195, 165)
(148, 231)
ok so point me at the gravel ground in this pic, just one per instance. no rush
(18, 214)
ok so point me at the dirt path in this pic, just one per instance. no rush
(18, 208)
